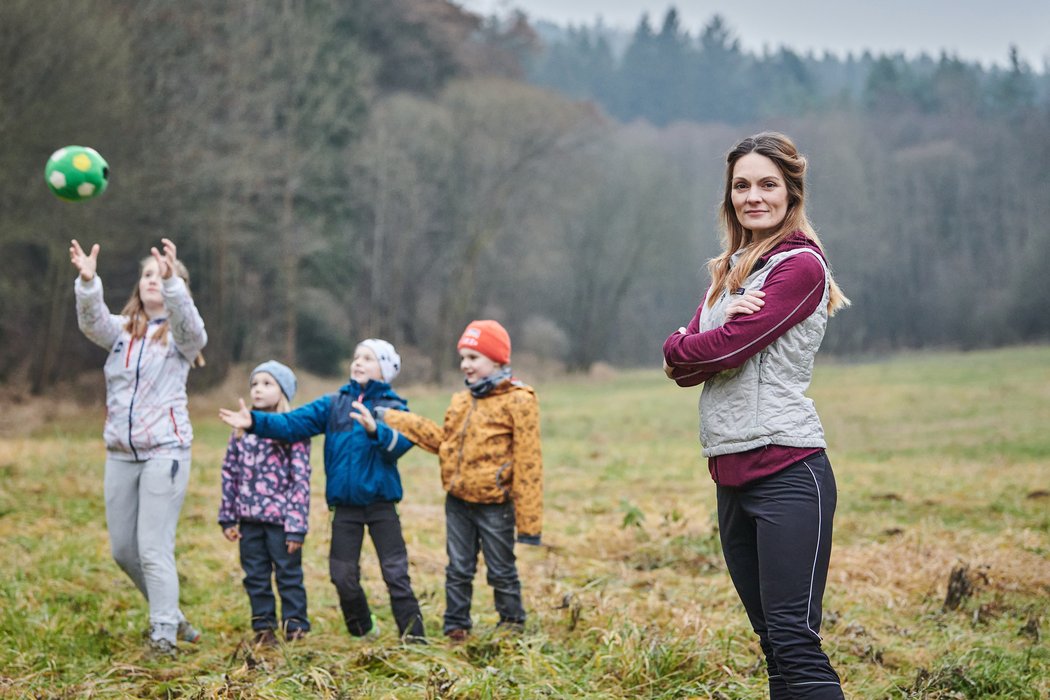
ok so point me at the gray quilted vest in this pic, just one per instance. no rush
(763, 402)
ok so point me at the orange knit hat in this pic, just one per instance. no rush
(489, 338)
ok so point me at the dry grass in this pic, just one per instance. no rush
(942, 461)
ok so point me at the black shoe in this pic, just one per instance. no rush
(510, 626)
(457, 636)
(264, 638)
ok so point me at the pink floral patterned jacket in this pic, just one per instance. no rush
(267, 481)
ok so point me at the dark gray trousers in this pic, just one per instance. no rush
(344, 564)
(488, 528)
(264, 555)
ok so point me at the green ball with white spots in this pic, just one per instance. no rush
(76, 173)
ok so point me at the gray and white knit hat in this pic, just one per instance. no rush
(282, 374)
(389, 360)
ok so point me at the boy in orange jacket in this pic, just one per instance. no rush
(492, 469)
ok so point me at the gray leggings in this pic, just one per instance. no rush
(143, 500)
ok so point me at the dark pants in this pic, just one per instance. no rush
(776, 537)
(264, 553)
(344, 564)
(488, 527)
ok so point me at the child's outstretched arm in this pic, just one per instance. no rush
(187, 326)
(93, 316)
(417, 429)
(300, 424)
(241, 419)
(388, 442)
(86, 263)
(527, 487)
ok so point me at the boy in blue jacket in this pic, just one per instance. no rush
(363, 484)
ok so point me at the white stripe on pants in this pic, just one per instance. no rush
(143, 500)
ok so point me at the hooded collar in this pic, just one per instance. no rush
(793, 241)
(796, 239)
(375, 389)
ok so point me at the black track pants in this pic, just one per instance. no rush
(776, 538)
(344, 565)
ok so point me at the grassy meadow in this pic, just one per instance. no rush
(942, 462)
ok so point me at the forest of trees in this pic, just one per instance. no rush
(669, 75)
(337, 169)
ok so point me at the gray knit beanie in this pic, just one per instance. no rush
(282, 374)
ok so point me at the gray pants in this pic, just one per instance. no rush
(488, 528)
(143, 500)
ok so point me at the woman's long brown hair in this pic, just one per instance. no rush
(792, 165)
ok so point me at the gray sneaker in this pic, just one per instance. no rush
(163, 647)
(188, 633)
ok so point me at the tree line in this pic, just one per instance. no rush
(669, 75)
(339, 169)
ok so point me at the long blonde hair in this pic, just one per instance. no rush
(792, 164)
(135, 311)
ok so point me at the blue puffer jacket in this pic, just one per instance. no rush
(360, 470)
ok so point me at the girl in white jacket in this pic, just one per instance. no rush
(152, 345)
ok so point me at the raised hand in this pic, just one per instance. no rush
(86, 263)
(165, 260)
(362, 415)
(240, 419)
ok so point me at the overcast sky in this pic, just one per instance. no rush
(980, 30)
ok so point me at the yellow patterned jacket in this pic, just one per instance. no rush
(489, 449)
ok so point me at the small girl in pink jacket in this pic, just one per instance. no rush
(266, 507)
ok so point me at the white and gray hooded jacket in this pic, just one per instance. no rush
(146, 406)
